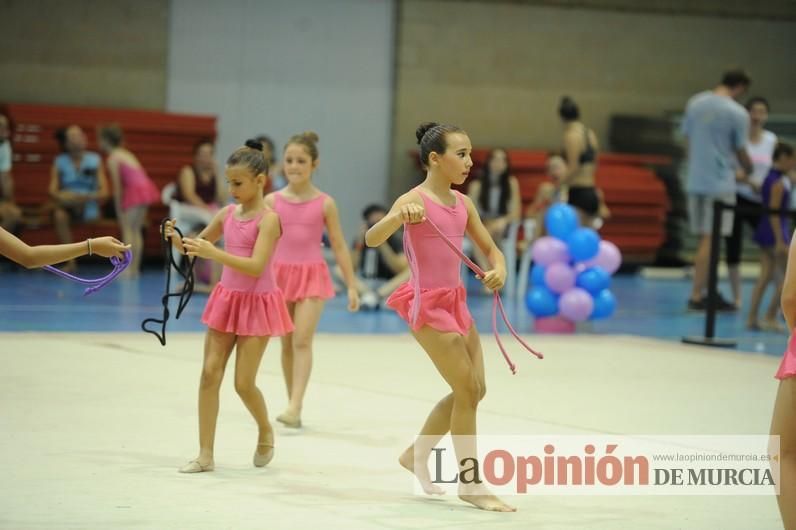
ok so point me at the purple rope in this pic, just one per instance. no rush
(95, 284)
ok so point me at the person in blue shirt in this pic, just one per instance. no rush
(78, 184)
(717, 130)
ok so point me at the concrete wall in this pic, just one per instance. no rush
(87, 52)
(284, 67)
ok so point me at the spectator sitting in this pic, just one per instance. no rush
(10, 214)
(198, 189)
(200, 195)
(379, 271)
(77, 184)
(276, 180)
(553, 191)
(496, 194)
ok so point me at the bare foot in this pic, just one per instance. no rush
(482, 498)
(407, 460)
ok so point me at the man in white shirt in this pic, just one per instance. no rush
(760, 148)
(10, 213)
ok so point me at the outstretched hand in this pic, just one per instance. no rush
(199, 248)
(108, 247)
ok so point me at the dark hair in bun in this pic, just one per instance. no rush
(431, 137)
(568, 109)
(251, 156)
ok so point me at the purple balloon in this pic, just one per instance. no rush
(559, 277)
(576, 304)
(608, 257)
(548, 250)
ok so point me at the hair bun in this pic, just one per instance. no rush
(568, 109)
(312, 136)
(254, 144)
(423, 128)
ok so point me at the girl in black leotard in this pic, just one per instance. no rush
(580, 154)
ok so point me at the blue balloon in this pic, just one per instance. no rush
(583, 244)
(604, 305)
(537, 275)
(541, 302)
(561, 220)
(593, 280)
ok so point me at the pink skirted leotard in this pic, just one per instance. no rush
(435, 271)
(137, 188)
(787, 368)
(242, 304)
(300, 270)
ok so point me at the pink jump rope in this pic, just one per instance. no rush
(497, 303)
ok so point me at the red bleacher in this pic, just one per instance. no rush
(635, 196)
(162, 141)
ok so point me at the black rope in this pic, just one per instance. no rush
(185, 270)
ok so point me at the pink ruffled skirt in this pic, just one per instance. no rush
(298, 281)
(143, 192)
(245, 313)
(444, 309)
(787, 368)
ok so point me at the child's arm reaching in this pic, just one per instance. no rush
(337, 239)
(407, 209)
(211, 233)
(495, 278)
(33, 257)
(254, 265)
(776, 225)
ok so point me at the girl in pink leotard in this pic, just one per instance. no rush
(783, 423)
(133, 192)
(245, 308)
(434, 303)
(299, 267)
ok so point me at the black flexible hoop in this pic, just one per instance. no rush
(185, 270)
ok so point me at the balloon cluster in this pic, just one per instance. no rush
(572, 270)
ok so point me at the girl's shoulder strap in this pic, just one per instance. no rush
(422, 194)
(460, 198)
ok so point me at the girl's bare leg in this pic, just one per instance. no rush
(249, 354)
(783, 424)
(450, 355)
(307, 313)
(218, 347)
(287, 352)
(766, 274)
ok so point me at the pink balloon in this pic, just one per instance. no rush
(559, 277)
(548, 250)
(608, 257)
(576, 305)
